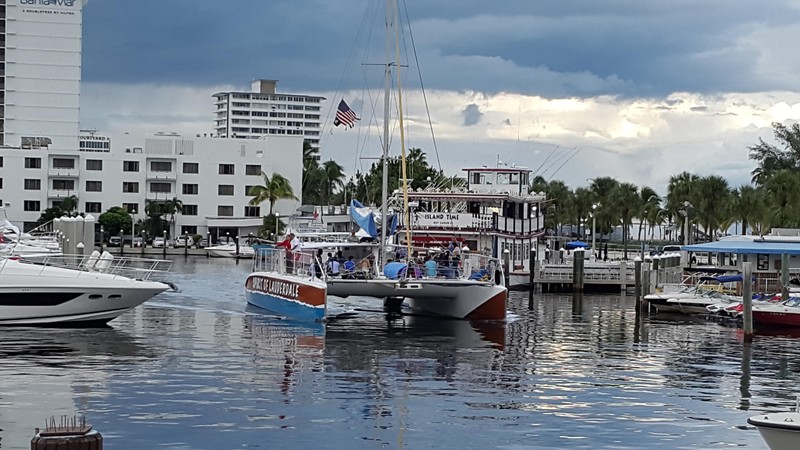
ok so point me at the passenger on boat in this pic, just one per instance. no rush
(332, 266)
(350, 265)
(430, 267)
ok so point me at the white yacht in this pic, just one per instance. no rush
(75, 290)
(781, 431)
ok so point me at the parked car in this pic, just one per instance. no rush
(137, 241)
(182, 241)
(114, 241)
(202, 243)
(158, 242)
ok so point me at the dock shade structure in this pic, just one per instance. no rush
(575, 244)
(748, 245)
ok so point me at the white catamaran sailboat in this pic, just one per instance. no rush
(475, 290)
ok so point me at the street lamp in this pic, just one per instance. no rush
(594, 233)
(685, 212)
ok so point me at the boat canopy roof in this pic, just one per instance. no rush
(750, 246)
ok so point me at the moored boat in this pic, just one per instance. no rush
(781, 431)
(75, 290)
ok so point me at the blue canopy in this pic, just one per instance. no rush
(576, 244)
(363, 217)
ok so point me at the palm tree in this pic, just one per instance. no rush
(69, 204)
(274, 188)
(649, 201)
(711, 199)
(626, 197)
(332, 179)
(154, 211)
(170, 208)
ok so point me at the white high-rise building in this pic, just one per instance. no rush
(265, 112)
(40, 73)
(45, 157)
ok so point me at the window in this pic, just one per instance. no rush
(190, 189)
(33, 163)
(224, 211)
(226, 169)
(252, 169)
(161, 166)
(189, 229)
(131, 207)
(94, 186)
(248, 189)
(130, 166)
(252, 211)
(33, 184)
(33, 205)
(163, 188)
(64, 185)
(189, 167)
(478, 178)
(93, 207)
(1, 161)
(94, 164)
(503, 178)
(225, 189)
(63, 163)
(189, 210)
(1, 187)
(130, 187)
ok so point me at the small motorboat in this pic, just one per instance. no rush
(781, 431)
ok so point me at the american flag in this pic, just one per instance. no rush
(344, 115)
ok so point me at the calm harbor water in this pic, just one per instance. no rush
(197, 369)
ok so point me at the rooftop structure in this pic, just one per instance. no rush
(265, 112)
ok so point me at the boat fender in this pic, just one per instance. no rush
(498, 277)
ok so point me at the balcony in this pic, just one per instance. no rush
(64, 173)
(61, 193)
(161, 176)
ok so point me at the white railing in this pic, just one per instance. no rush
(128, 267)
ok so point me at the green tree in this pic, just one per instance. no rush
(274, 188)
(771, 159)
(115, 220)
(626, 198)
(170, 209)
(69, 204)
(332, 177)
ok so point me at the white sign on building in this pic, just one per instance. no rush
(443, 220)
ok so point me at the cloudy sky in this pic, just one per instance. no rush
(637, 90)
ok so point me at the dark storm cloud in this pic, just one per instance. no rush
(472, 114)
(578, 48)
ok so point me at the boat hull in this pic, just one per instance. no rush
(776, 317)
(459, 299)
(298, 298)
(781, 431)
(519, 281)
(69, 304)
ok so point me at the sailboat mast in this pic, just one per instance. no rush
(390, 19)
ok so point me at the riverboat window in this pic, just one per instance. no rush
(513, 178)
(94, 164)
(63, 163)
(94, 186)
(503, 178)
(93, 207)
(190, 167)
(478, 178)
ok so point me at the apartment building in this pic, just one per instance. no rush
(266, 112)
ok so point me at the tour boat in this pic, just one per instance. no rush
(75, 290)
(474, 291)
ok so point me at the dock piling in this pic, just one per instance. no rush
(577, 270)
(506, 267)
(747, 300)
(531, 277)
(637, 277)
(784, 276)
